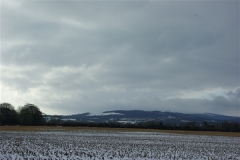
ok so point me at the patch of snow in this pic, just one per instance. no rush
(185, 121)
(171, 117)
(126, 122)
(105, 114)
(209, 114)
(68, 119)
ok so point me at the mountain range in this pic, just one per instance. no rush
(135, 116)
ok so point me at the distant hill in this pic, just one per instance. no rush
(134, 116)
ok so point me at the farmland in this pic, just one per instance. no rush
(57, 143)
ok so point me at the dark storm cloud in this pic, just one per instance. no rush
(234, 95)
(96, 56)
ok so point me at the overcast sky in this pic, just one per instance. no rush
(70, 57)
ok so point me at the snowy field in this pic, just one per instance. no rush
(96, 145)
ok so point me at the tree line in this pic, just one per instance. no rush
(29, 114)
(224, 126)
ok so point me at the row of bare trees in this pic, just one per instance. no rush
(28, 114)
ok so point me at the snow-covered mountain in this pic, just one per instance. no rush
(143, 116)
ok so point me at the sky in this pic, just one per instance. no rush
(70, 57)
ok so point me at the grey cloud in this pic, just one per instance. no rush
(113, 55)
(219, 105)
(234, 94)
